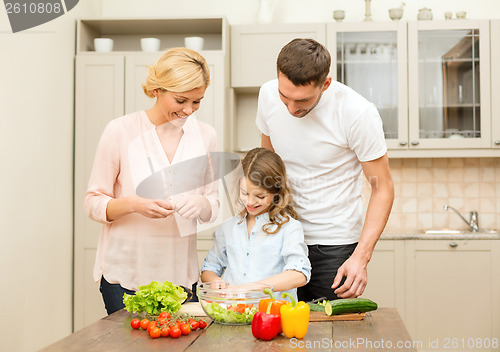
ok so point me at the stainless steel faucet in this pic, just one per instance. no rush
(473, 222)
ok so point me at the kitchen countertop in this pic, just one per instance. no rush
(441, 236)
(381, 330)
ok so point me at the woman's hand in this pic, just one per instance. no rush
(151, 208)
(192, 207)
(154, 208)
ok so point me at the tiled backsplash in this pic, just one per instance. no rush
(423, 186)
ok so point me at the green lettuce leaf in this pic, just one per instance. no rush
(222, 315)
(155, 298)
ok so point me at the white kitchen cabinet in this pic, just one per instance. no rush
(386, 275)
(255, 48)
(495, 83)
(430, 80)
(453, 289)
(371, 58)
(108, 85)
(449, 84)
(95, 105)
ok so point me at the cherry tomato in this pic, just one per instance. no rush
(135, 324)
(165, 331)
(194, 324)
(185, 328)
(152, 324)
(164, 316)
(144, 324)
(175, 332)
(203, 324)
(154, 332)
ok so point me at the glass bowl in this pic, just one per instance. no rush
(231, 305)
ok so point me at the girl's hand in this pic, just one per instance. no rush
(192, 207)
(154, 208)
(219, 283)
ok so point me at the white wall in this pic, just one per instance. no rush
(36, 144)
(292, 11)
(36, 197)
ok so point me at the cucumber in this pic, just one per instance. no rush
(315, 307)
(351, 305)
(328, 308)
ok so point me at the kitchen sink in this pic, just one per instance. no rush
(460, 232)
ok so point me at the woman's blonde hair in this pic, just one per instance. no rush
(265, 169)
(177, 70)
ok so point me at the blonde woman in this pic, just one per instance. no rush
(153, 238)
(265, 242)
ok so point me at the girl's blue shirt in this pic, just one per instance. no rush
(240, 258)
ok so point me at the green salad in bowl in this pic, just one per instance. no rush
(231, 305)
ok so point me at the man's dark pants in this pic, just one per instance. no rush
(325, 261)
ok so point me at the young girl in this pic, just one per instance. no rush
(265, 242)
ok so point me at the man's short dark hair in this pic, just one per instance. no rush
(304, 61)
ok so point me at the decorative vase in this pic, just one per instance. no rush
(368, 13)
(266, 9)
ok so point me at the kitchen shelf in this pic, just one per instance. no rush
(127, 33)
(445, 60)
(365, 62)
(454, 106)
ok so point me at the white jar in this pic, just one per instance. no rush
(103, 45)
(424, 14)
(150, 44)
(194, 43)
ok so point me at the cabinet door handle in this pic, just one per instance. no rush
(403, 143)
(453, 244)
(497, 142)
(415, 142)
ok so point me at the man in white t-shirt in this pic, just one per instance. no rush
(328, 136)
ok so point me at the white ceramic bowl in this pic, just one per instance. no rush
(194, 43)
(103, 45)
(150, 44)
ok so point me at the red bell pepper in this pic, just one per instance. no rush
(266, 326)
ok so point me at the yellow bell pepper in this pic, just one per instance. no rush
(294, 318)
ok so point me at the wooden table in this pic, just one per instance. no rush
(380, 330)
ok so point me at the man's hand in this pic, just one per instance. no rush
(354, 270)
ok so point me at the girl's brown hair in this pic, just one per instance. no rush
(265, 169)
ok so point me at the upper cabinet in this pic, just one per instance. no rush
(495, 83)
(433, 82)
(449, 77)
(371, 58)
(254, 49)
